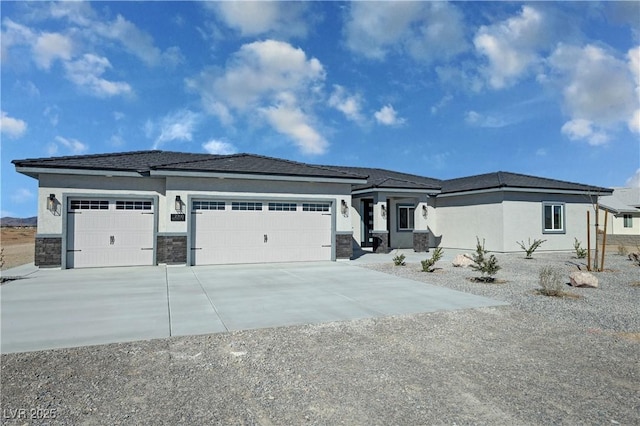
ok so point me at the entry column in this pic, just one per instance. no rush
(380, 231)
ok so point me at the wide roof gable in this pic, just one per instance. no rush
(501, 180)
(146, 162)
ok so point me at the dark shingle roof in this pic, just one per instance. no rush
(381, 178)
(146, 161)
(513, 180)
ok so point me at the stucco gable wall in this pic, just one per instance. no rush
(461, 218)
(523, 220)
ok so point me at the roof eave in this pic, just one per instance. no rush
(256, 176)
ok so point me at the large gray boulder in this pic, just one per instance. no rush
(583, 279)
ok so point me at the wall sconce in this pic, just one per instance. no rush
(51, 202)
(383, 210)
(344, 208)
(424, 211)
(178, 205)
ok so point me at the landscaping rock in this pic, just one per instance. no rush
(583, 279)
(635, 256)
(462, 260)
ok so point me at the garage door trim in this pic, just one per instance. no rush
(66, 197)
(265, 206)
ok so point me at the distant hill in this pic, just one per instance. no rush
(17, 221)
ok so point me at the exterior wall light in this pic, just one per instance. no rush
(51, 202)
(344, 208)
(425, 212)
(383, 210)
(178, 205)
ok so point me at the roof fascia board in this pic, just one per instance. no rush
(516, 189)
(396, 190)
(250, 176)
(65, 171)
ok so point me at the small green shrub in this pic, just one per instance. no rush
(530, 247)
(551, 282)
(427, 265)
(487, 265)
(581, 253)
(398, 260)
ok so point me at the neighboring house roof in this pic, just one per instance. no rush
(146, 162)
(623, 200)
(501, 180)
(388, 179)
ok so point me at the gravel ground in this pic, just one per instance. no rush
(540, 360)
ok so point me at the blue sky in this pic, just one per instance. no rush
(438, 89)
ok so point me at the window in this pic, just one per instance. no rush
(553, 217)
(89, 205)
(283, 207)
(246, 206)
(405, 218)
(628, 221)
(208, 205)
(133, 205)
(315, 207)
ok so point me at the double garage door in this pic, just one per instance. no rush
(227, 232)
(110, 232)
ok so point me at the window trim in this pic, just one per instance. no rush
(563, 224)
(410, 217)
(627, 221)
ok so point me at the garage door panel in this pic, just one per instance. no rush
(110, 236)
(268, 235)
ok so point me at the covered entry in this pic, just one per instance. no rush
(260, 231)
(109, 232)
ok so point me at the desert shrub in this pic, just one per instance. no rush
(581, 253)
(551, 282)
(398, 260)
(530, 247)
(622, 250)
(427, 265)
(1, 257)
(487, 265)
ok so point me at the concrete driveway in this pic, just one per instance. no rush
(66, 308)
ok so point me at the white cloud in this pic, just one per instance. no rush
(425, 30)
(388, 116)
(288, 119)
(51, 46)
(541, 152)
(22, 195)
(446, 99)
(349, 105)
(599, 91)
(53, 114)
(73, 146)
(581, 129)
(634, 181)
(86, 73)
(481, 120)
(219, 147)
(272, 77)
(634, 122)
(12, 127)
(176, 126)
(511, 47)
(253, 18)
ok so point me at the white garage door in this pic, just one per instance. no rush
(105, 232)
(226, 232)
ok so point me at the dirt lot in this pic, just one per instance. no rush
(18, 245)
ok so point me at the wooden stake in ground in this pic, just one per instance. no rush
(588, 242)
(604, 239)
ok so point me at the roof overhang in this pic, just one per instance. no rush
(517, 189)
(35, 171)
(255, 176)
(396, 190)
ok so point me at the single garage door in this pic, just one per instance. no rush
(225, 232)
(109, 232)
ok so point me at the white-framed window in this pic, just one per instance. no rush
(209, 205)
(406, 218)
(627, 221)
(283, 207)
(241, 205)
(315, 207)
(553, 217)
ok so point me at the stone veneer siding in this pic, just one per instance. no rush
(421, 241)
(344, 246)
(48, 251)
(382, 242)
(171, 249)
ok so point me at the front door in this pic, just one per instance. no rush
(367, 222)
